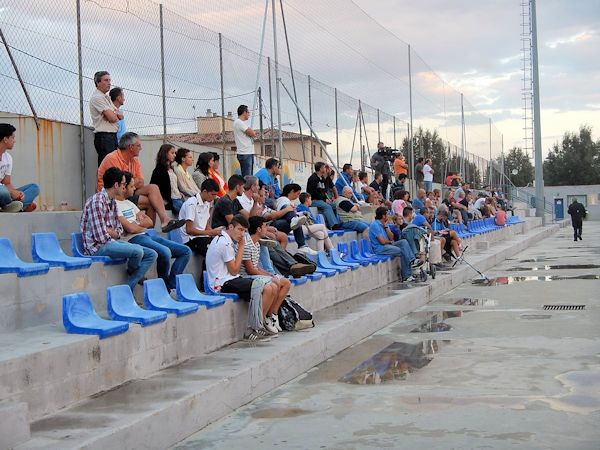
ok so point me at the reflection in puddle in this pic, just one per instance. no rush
(394, 362)
(510, 280)
(433, 321)
(535, 316)
(555, 267)
(279, 413)
(476, 302)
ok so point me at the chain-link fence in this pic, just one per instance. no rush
(181, 77)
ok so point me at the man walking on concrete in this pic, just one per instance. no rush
(244, 141)
(105, 117)
(577, 212)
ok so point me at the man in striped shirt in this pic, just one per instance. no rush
(101, 229)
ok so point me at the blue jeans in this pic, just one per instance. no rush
(166, 250)
(428, 186)
(355, 225)
(177, 204)
(399, 248)
(31, 191)
(327, 210)
(265, 262)
(139, 259)
(246, 164)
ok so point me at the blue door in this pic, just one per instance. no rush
(559, 209)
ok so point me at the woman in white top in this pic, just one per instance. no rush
(183, 161)
(428, 175)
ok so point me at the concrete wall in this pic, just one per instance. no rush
(588, 195)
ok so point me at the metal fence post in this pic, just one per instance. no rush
(337, 129)
(410, 129)
(378, 129)
(81, 117)
(271, 105)
(260, 115)
(162, 72)
(394, 119)
(310, 118)
(222, 98)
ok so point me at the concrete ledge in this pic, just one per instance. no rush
(14, 424)
(160, 411)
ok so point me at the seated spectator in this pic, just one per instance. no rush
(202, 165)
(213, 172)
(101, 229)
(419, 201)
(345, 179)
(396, 226)
(251, 267)
(377, 182)
(371, 195)
(224, 208)
(500, 218)
(440, 226)
(13, 199)
(223, 263)
(164, 177)
(316, 230)
(135, 224)
(382, 242)
(413, 232)
(456, 217)
(437, 197)
(291, 221)
(350, 215)
(197, 233)
(268, 175)
(269, 214)
(317, 186)
(147, 196)
(400, 202)
(462, 205)
(247, 204)
(330, 188)
(398, 184)
(474, 212)
(185, 183)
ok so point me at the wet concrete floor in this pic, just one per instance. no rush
(483, 366)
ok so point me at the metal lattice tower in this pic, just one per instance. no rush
(527, 78)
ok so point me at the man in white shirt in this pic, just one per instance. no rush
(428, 175)
(105, 116)
(135, 224)
(197, 232)
(13, 199)
(247, 204)
(244, 141)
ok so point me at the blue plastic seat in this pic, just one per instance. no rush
(338, 261)
(79, 317)
(210, 291)
(514, 220)
(121, 305)
(187, 291)
(157, 297)
(175, 236)
(365, 250)
(355, 252)
(323, 262)
(77, 250)
(314, 276)
(298, 281)
(349, 257)
(45, 248)
(11, 263)
(473, 227)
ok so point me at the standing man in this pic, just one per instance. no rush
(419, 173)
(105, 117)
(380, 164)
(11, 199)
(577, 212)
(428, 175)
(244, 141)
(101, 229)
(117, 96)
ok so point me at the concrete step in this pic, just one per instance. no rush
(159, 411)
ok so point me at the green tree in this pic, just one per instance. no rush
(575, 162)
(519, 160)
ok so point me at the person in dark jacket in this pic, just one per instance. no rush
(577, 212)
(379, 164)
(316, 186)
(166, 179)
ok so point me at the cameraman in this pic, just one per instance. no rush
(380, 164)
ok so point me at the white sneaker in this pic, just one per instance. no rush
(297, 222)
(13, 207)
(270, 326)
(307, 250)
(275, 321)
(409, 279)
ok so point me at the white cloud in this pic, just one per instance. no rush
(584, 36)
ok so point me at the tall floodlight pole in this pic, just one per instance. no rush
(410, 130)
(462, 135)
(537, 127)
(277, 93)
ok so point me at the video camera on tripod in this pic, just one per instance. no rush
(389, 153)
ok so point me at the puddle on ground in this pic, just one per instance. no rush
(499, 281)
(475, 302)
(394, 362)
(555, 267)
(584, 392)
(279, 413)
(535, 316)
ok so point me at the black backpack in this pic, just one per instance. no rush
(292, 316)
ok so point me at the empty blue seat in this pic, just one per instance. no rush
(338, 261)
(348, 257)
(211, 291)
(45, 248)
(355, 252)
(121, 305)
(298, 281)
(175, 236)
(314, 276)
(77, 250)
(79, 317)
(514, 220)
(323, 262)
(11, 263)
(187, 291)
(157, 297)
(366, 251)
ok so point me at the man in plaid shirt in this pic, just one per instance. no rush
(101, 230)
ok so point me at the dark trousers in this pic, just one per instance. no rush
(104, 144)
(283, 225)
(199, 246)
(577, 228)
(384, 185)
